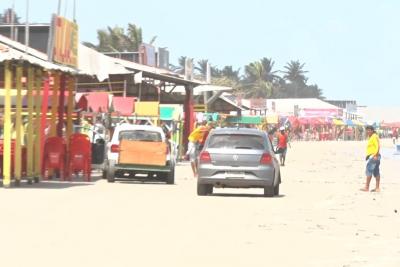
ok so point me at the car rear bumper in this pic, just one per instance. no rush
(143, 168)
(236, 183)
(240, 178)
(244, 177)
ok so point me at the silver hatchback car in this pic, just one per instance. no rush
(238, 158)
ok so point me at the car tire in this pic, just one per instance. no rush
(111, 172)
(171, 176)
(204, 189)
(269, 191)
(276, 190)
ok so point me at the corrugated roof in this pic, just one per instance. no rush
(94, 63)
(286, 105)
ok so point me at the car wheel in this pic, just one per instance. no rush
(204, 189)
(276, 190)
(171, 177)
(111, 172)
(269, 191)
(210, 189)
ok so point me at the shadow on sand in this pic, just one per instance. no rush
(244, 195)
(53, 183)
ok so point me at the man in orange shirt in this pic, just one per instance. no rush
(282, 145)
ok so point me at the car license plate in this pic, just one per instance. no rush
(234, 174)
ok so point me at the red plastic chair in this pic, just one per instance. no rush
(23, 158)
(54, 156)
(79, 155)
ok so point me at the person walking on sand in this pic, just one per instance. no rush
(373, 159)
(193, 146)
(282, 145)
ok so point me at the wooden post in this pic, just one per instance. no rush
(70, 108)
(18, 127)
(60, 123)
(30, 132)
(189, 114)
(45, 101)
(38, 106)
(7, 125)
(54, 104)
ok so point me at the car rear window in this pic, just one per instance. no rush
(140, 135)
(236, 141)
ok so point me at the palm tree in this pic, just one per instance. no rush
(295, 73)
(268, 73)
(116, 40)
(180, 68)
(202, 67)
(9, 16)
(229, 72)
(260, 80)
(312, 91)
(135, 36)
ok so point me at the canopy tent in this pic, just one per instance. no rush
(123, 105)
(358, 123)
(272, 118)
(349, 122)
(94, 63)
(94, 102)
(244, 119)
(390, 124)
(338, 122)
(167, 113)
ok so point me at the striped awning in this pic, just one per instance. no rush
(358, 123)
(338, 122)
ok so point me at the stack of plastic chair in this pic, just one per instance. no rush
(54, 157)
(79, 155)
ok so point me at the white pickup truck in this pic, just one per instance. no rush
(139, 152)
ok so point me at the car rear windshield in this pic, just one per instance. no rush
(236, 141)
(140, 135)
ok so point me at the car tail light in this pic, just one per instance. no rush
(115, 148)
(266, 159)
(205, 157)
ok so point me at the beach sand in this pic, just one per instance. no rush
(320, 219)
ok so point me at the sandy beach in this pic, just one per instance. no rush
(320, 219)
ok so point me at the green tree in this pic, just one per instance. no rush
(201, 67)
(180, 68)
(117, 40)
(294, 73)
(7, 17)
(260, 80)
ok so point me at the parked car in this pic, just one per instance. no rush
(238, 158)
(139, 152)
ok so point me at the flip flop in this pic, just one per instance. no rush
(363, 189)
(374, 190)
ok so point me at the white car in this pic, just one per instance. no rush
(139, 152)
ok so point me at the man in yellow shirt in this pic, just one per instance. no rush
(373, 159)
(193, 146)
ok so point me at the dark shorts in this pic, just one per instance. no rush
(372, 167)
(281, 150)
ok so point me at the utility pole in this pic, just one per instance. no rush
(59, 8)
(27, 27)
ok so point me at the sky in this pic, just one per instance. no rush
(350, 48)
